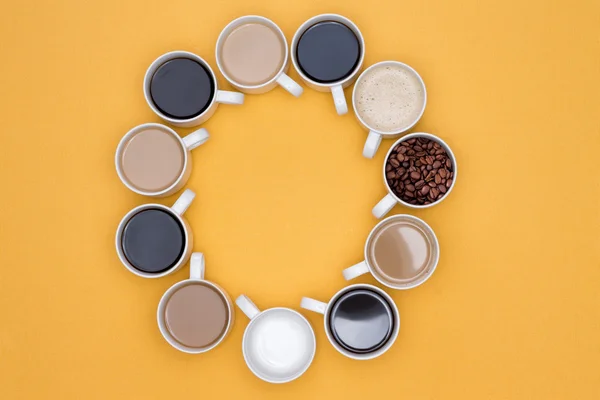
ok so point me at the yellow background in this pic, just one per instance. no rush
(284, 198)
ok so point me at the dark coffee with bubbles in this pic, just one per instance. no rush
(328, 52)
(153, 241)
(361, 321)
(182, 88)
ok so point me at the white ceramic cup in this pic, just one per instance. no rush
(375, 136)
(366, 265)
(281, 78)
(386, 204)
(279, 344)
(177, 211)
(219, 96)
(196, 276)
(336, 88)
(187, 144)
(326, 308)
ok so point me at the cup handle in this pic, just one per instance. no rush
(384, 206)
(372, 144)
(290, 85)
(313, 305)
(356, 270)
(195, 139)
(226, 97)
(183, 202)
(197, 266)
(339, 99)
(247, 306)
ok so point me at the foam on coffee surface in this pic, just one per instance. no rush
(389, 98)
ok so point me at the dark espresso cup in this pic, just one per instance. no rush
(181, 88)
(154, 240)
(328, 51)
(361, 321)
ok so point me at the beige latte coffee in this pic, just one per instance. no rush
(152, 160)
(196, 315)
(401, 251)
(252, 54)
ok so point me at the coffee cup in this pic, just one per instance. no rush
(195, 315)
(328, 52)
(401, 252)
(449, 180)
(279, 343)
(182, 89)
(388, 99)
(154, 240)
(253, 55)
(152, 160)
(361, 321)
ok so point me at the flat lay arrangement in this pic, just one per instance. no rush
(195, 315)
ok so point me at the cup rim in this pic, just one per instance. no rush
(119, 235)
(163, 303)
(448, 151)
(297, 374)
(423, 278)
(160, 60)
(403, 65)
(324, 17)
(127, 137)
(381, 350)
(235, 23)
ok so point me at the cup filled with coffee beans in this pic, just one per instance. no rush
(419, 171)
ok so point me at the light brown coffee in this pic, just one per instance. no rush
(196, 315)
(400, 251)
(252, 54)
(152, 160)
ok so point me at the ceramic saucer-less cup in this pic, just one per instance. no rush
(152, 233)
(155, 157)
(336, 87)
(197, 321)
(361, 321)
(216, 96)
(418, 102)
(386, 204)
(401, 252)
(257, 55)
(279, 344)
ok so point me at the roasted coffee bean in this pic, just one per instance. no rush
(419, 171)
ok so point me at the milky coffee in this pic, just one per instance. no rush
(389, 98)
(401, 251)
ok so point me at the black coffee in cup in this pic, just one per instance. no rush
(182, 88)
(328, 52)
(361, 321)
(153, 240)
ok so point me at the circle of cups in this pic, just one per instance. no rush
(265, 371)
